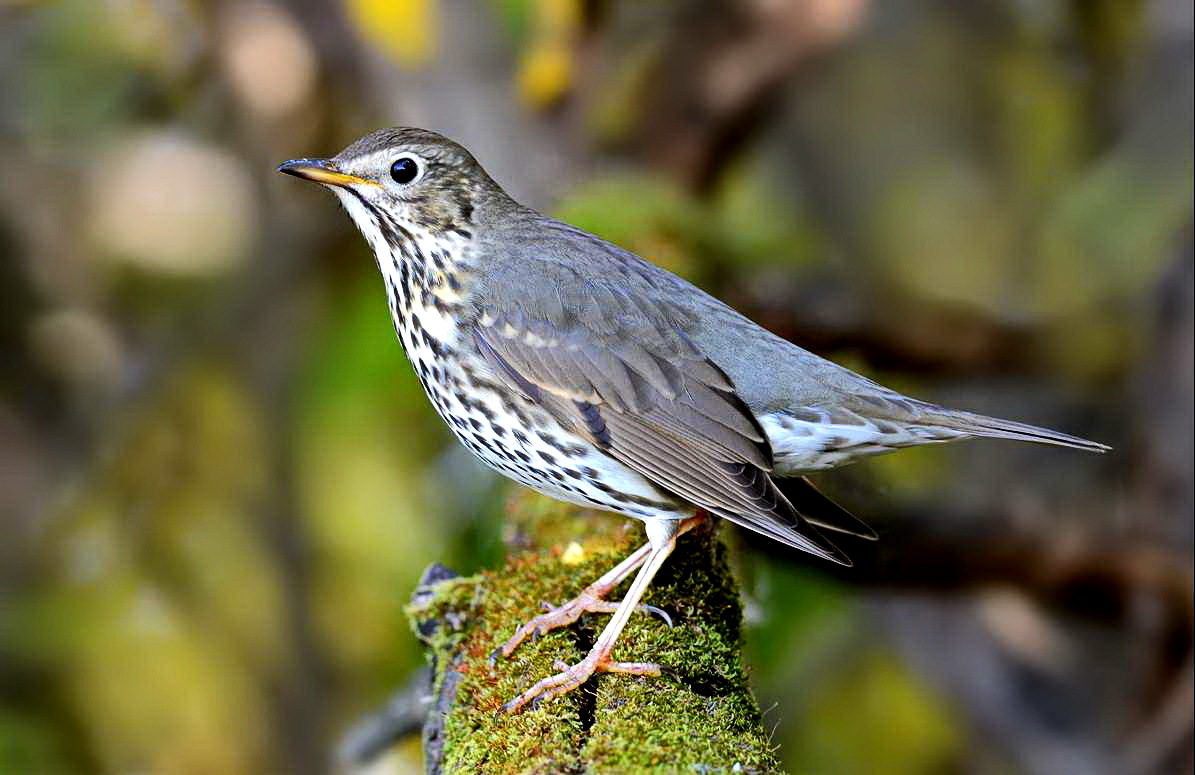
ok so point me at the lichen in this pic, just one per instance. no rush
(698, 717)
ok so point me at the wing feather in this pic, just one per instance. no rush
(636, 385)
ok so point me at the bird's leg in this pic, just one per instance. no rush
(663, 537)
(591, 599)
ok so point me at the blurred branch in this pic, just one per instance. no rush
(348, 85)
(1164, 474)
(717, 73)
(403, 714)
(1163, 743)
(1138, 594)
(826, 315)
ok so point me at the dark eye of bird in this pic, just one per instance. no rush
(404, 170)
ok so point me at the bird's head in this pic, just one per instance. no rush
(412, 177)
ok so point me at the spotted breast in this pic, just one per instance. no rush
(427, 280)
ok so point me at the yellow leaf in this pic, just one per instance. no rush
(574, 554)
(546, 70)
(545, 74)
(404, 30)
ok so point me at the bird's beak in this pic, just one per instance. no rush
(320, 171)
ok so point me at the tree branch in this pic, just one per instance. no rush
(699, 716)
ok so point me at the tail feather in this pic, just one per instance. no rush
(819, 510)
(995, 428)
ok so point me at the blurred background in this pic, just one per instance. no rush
(219, 480)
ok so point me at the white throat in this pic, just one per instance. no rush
(424, 273)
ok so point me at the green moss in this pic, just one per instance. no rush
(698, 717)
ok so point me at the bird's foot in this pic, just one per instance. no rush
(572, 676)
(589, 601)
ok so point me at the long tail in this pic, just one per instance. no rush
(995, 428)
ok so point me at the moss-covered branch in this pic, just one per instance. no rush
(699, 717)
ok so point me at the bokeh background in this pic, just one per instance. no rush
(219, 480)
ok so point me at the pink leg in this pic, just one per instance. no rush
(598, 658)
(591, 599)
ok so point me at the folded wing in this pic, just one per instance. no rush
(631, 381)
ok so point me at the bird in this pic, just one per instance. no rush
(585, 372)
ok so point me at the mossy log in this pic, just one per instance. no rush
(699, 716)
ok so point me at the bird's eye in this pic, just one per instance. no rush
(404, 170)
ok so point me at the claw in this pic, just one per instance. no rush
(660, 612)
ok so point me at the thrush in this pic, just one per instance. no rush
(579, 369)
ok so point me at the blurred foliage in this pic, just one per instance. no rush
(850, 725)
(221, 479)
(858, 709)
(358, 423)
